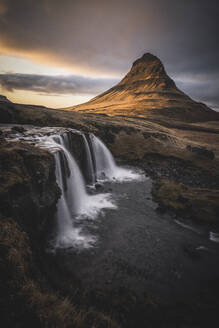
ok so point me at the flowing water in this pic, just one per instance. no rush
(138, 248)
(128, 242)
(115, 236)
(106, 168)
(75, 203)
(90, 161)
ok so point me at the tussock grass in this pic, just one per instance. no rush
(28, 302)
(200, 204)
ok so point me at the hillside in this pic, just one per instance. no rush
(147, 91)
(180, 159)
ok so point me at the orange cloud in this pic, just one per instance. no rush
(50, 59)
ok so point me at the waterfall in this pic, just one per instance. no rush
(106, 168)
(104, 161)
(74, 203)
(67, 235)
(75, 192)
(90, 163)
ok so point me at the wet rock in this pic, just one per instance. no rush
(28, 189)
(98, 186)
(19, 129)
(179, 170)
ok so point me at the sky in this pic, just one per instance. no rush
(61, 53)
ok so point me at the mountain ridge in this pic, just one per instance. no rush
(144, 91)
(4, 99)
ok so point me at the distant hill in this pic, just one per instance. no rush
(4, 99)
(145, 91)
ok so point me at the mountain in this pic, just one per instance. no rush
(4, 99)
(147, 91)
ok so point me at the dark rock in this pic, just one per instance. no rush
(28, 189)
(98, 186)
(179, 170)
(201, 151)
(19, 129)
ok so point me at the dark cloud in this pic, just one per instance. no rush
(54, 84)
(105, 37)
(202, 89)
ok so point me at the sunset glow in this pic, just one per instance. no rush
(48, 38)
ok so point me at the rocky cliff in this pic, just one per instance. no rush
(147, 91)
(28, 189)
(28, 197)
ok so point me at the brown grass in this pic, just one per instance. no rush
(41, 306)
(201, 204)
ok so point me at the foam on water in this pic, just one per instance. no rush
(75, 202)
(186, 226)
(81, 205)
(106, 168)
(214, 236)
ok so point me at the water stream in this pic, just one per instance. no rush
(90, 161)
(75, 203)
(117, 228)
(106, 168)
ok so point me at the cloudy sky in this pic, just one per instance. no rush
(60, 53)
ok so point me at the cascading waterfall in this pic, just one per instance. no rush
(90, 164)
(74, 203)
(75, 191)
(106, 168)
(67, 234)
(104, 161)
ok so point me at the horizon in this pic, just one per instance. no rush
(79, 50)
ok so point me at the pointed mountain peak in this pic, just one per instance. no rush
(150, 69)
(146, 59)
(147, 90)
(148, 64)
